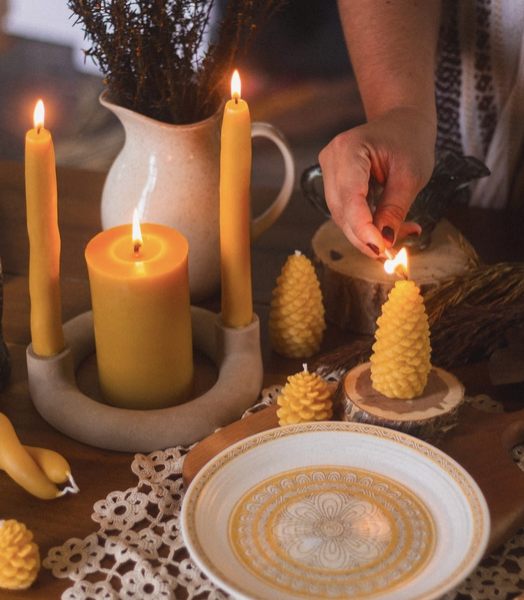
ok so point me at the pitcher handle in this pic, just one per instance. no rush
(312, 184)
(262, 222)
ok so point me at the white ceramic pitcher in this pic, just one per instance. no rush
(171, 173)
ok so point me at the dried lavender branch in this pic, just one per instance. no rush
(471, 333)
(494, 285)
(152, 53)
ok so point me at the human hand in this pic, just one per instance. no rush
(398, 150)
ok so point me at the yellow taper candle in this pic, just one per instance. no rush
(142, 315)
(235, 178)
(44, 239)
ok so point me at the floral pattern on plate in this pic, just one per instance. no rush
(331, 532)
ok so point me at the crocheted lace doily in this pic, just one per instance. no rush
(138, 552)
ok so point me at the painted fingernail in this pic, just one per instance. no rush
(374, 249)
(414, 234)
(388, 234)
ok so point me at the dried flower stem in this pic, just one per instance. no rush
(155, 56)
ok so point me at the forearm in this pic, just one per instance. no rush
(392, 45)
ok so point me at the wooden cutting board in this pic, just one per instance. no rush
(480, 443)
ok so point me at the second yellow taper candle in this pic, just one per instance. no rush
(235, 179)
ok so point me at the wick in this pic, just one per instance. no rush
(401, 272)
(137, 247)
(236, 100)
(38, 129)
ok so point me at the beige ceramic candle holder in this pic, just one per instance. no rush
(56, 396)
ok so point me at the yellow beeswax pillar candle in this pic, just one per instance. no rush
(44, 239)
(142, 316)
(235, 178)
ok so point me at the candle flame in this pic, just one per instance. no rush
(38, 115)
(235, 86)
(137, 233)
(398, 264)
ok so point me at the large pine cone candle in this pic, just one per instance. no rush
(305, 397)
(400, 362)
(296, 322)
(19, 556)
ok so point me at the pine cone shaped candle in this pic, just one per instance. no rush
(400, 362)
(305, 397)
(296, 322)
(19, 556)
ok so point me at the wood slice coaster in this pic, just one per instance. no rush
(427, 417)
(354, 286)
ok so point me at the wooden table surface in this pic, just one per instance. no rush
(98, 472)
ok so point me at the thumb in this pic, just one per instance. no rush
(391, 210)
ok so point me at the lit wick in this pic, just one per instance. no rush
(137, 233)
(235, 86)
(38, 116)
(397, 264)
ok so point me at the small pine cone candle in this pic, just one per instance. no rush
(296, 321)
(19, 556)
(400, 362)
(305, 397)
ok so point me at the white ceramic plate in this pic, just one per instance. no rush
(334, 510)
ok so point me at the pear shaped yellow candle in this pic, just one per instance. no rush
(400, 362)
(19, 556)
(305, 397)
(296, 321)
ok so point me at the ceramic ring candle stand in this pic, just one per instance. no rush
(55, 394)
(171, 174)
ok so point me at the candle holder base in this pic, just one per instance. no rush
(55, 394)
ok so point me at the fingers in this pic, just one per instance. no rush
(397, 150)
(391, 211)
(409, 229)
(357, 224)
(346, 168)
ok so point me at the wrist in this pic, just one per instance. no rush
(422, 112)
(418, 121)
